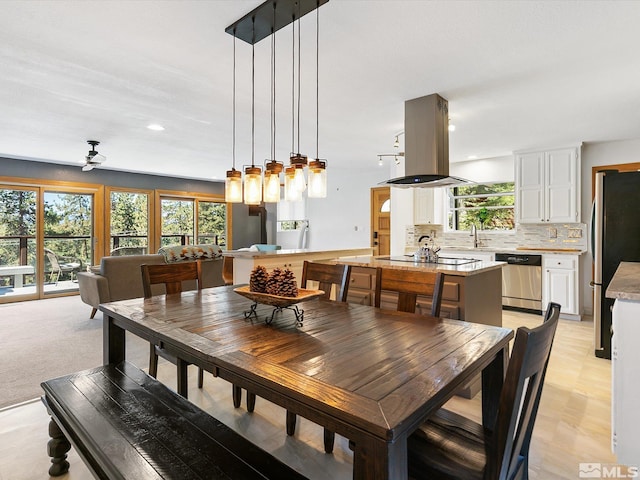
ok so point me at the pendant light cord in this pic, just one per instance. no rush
(253, 88)
(234, 100)
(317, 79)
(273, 87)
(298, 151)
(293, 84)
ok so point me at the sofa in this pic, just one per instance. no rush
(120, 277)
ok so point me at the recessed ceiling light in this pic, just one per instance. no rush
(155, 127)
(472, 157)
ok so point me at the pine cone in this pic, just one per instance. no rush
(258, 279)
(288, 286)
(272, 285)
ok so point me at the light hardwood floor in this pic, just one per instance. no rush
(573, 423)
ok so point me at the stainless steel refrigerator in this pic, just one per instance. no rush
(615, 237)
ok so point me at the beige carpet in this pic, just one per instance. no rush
(44, 339)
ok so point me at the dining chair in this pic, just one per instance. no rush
(451, 446)
(408, 284)
(171, 275)
(227, 270)
(327, 276)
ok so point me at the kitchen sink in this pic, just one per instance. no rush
(441, 260)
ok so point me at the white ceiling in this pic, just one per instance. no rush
(517, 74)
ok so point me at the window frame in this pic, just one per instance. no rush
(452, 220)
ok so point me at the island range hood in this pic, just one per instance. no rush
(426, 152)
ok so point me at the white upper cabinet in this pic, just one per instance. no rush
(427, 206)
(547, 186)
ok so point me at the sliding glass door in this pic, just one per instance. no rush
(18, 226)
(68, 239)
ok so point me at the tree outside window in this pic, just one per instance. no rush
(488, 206)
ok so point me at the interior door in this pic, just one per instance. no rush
(381, 220)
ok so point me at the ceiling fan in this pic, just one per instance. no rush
(93, 158)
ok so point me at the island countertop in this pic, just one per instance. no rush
(244, 261)
(625, 284)
(300, 252)
(464, 270)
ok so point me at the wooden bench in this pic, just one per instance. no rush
(126, 425)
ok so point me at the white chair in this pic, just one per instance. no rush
(58, 268)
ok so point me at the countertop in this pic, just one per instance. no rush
(341, 252)
(458, 270)
(625, 284)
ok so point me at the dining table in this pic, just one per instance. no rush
(370, 375)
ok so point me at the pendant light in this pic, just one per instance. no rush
(273, 168)
(291, 191)
(317, 167)
(297, 160)
(261, 22)
(233, 181)
(253, 174)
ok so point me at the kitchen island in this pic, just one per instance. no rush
(625, 362)
(472, 291)
(245, 261)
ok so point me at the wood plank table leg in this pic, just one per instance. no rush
(113, 342)
(375, 459)
(182, 377)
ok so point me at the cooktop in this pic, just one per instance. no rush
(441, 260)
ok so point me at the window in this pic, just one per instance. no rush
(177, 221)
(129, 223)
(186, 220)
(488, 206)
(212, 223)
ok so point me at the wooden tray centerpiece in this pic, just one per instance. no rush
(284, 293)
(277, 300)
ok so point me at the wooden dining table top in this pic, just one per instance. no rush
(366, 373)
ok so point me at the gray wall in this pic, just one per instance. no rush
(245, 229)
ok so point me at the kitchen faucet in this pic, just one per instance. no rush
(474, 234)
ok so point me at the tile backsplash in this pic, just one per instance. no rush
(570, 235)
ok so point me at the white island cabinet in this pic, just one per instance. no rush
(625, 363)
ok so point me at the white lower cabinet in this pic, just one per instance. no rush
(560, 283)
(625, 372)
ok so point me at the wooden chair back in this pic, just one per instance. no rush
(227, 270)
(408, 284)
(520, 396)
(327, 275)
(171, 274)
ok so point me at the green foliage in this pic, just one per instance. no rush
(129, 221)
(17, 212)
(212, 222)
(489, 207)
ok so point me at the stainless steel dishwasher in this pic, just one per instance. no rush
(521, 281)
